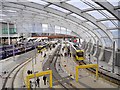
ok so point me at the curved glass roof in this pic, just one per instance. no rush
(66, 15)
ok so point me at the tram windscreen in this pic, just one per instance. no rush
(80, 54)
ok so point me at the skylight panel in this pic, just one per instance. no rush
(96, 14)
(92, 24)
(101, 32)
(62, 28)
(57, 27)
(91, 2)
(114, 2)
(39, 2)
(45, 25)
(115, 33)
(59, 8)
(79, 4)
(116, 21)
(69, 30)
(108, 24)
(77, 16)
(107, 13)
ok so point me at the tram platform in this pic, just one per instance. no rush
(104, 66)
(8, 64)
(86, 79)
(65, 66)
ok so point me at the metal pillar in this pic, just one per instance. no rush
(89, 58)
(113, 63)
(8, 32)
(13, 52)
(35, 54)
(97, 51)
(33, 73)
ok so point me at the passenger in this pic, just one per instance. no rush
(41, 52)
(44, 78)
(31, 72)
(28, 72)
(63, 49)
(61, 54)
(45, 55)
(30, 85)
(38, 81)
(4, 72)
(65, 54)
(70, 54)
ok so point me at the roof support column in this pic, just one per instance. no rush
(8, 28)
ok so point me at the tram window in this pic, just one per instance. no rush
(80, 54)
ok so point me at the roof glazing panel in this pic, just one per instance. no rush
(57, 27)
(108, 24)
(114, 2)
(91, 2)
(107, 13)
(62, 28)
(92, 24)
(39, 2)
(101, 32)
(116, 21)
(77, 16)
(79, 4)
(115, 33)
(96, 14)
(59, 8)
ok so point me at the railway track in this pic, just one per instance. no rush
(102, 74)
(12, 75)
(51, 64)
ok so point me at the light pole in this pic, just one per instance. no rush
(33, 72)
(89, 58)
(8, 28)
(97, 51)
(33, 65)
(35, 53)
(13, 52)
(113, 63)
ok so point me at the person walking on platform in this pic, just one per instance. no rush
(45, 55)
(44, 78)
(28, 72)
(41, 52)
(70, 54)
(31, 72)
(38, 81)
(31, 85)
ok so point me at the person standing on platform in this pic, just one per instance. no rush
(31, 72)
(45, 55)
(44, 78)
(28, 72)
(38, 81)
(70, 54)
(31, 85)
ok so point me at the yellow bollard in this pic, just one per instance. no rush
(28, 83)
(76, 74)
(97, 72)
(50, 79)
